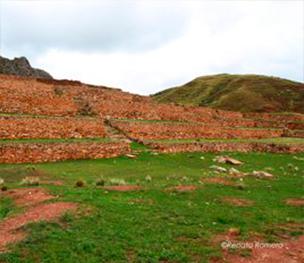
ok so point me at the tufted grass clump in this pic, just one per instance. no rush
(30, 181)
(117, 181)
(100, 181)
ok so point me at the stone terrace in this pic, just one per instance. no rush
(148, 131)
(33, 108)
(16, 127)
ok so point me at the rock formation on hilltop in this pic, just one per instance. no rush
(21, 67)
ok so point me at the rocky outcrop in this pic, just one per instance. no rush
(21, 67)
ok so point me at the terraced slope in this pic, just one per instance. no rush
(245, 93)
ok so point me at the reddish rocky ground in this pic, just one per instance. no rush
(123, 188)
(237, 201)
(30, 198)
(258, 251)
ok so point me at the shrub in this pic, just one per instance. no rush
(4, 188)
(80, 183)
(100, 181)
(30, 180)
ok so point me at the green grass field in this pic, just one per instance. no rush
(154, 225)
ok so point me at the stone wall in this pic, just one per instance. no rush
(226, 147)
(70, 98)
(66, 127)
(275, 117)
(151, 131)
(52, 152)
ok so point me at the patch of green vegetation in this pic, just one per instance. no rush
(6, 206)
(246, 93)
(71, 140)
(155, 224)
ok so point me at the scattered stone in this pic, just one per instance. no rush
(131, 156)
(1, 181)
(235, 172)
(218, 168)
(226, 159)
(261, 174)
(202, 158)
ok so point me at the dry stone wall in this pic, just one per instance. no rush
(226, 147)
(150, 131)
(66, 127)
(52, 152)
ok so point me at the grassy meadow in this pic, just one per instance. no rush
(155, 224)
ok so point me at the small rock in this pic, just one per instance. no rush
(261, 174)
(235, 172)
(202, 158)
(226, 159)
(218, 168)
(132, 156)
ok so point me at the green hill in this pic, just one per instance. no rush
(246, 93)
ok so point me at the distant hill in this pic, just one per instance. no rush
(245, 93)
(21, 67)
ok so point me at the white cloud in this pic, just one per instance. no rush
(220, 36)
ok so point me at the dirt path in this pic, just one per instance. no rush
(30, 198)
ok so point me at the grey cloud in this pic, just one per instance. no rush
(130, 26)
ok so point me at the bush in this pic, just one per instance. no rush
(80, 183)
(100, 181)
(4, 188)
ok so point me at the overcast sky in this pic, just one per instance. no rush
(145, 46)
